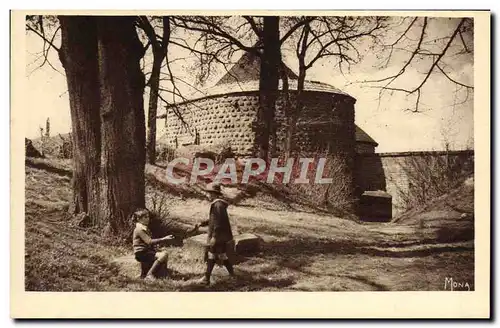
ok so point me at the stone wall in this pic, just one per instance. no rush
(326, 124)
(217, 120)
(327, 121)
(389, 171)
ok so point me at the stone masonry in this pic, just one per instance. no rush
(326, 123)
(226, 114)
(216, 120)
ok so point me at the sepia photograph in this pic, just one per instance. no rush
(269, 152)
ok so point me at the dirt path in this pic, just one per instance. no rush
(302, 251)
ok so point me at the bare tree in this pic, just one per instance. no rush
(105, 118)
(424, 47)
(216, 39)
(160, 53)
(219, 38)
(47, 28)
(333, 38)
(164, 84)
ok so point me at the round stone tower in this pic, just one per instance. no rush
(226, 112)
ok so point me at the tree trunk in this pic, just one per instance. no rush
(293, 115)
(159, 54)
(286, 109)
(79, 58)
(154, 85)
(297, 108)
(123, 122)
(268, 85)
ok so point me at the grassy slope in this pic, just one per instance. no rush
(302, 251)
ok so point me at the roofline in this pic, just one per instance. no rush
(421, 153)
(368, 142)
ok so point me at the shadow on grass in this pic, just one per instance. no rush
(185, 190)
(244, 281)
(309, 246)
(178, 276)
(49, 166)
(275, 232)
(298, 264)
(366, 281)
(449, 233)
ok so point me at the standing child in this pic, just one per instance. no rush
(219, 233)
(143, 244)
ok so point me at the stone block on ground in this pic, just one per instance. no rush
(375, 206)
(246, 243)
(242, 244)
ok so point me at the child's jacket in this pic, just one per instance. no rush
(219, 227)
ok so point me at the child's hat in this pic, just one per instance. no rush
(214, 187)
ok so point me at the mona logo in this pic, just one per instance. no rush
(450, 284)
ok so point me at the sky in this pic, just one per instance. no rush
(394, 128)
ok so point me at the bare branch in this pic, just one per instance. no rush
(453, 80)
(47, 45)
(441, 55)
(392, 46)
(392, 78)
(463, 41)
(254, 26)
(203, 25)
(405, 32)
(49, 42)
(338, 40)
(176, 111)
(419, 52)
(167, 31)
(146, 26)
(307, 20)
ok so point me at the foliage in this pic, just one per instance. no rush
(431, 176)
(164, 153)
(223, 151)
(160, 223)
(337, 196)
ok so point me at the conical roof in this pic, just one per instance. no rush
(246, 69)
(244, 77)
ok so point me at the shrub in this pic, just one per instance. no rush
(431, 176)
(336, 196)
(164, 153)
(222, 152)
(161, 223)
(65, 149)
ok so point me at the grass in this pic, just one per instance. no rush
(303, 250)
